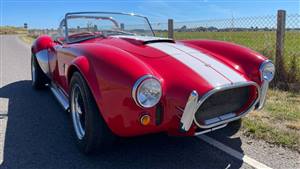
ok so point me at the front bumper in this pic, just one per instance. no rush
(194, 102)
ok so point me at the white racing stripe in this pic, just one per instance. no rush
(250, 161)
(215, 72)
(212, 77)
(219, 66)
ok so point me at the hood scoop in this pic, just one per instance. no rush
(142, 40)
(159, 40)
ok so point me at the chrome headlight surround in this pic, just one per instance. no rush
(147, 91)
(267, 71)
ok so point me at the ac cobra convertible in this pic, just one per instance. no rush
(116, 78)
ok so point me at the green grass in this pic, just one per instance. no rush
(262, 130)
(278, 122)
(27, 38)
(283, 105)
(12, 30)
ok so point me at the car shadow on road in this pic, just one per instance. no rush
(38, 135)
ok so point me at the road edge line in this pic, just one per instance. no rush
(250, 161)
(4, 104)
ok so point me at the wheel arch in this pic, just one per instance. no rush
(82, 65)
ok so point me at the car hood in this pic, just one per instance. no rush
(175, 60)
(166, 51)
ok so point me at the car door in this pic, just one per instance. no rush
(53, 63)
(59, 57)
(64, 56)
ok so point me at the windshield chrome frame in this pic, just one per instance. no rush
(64, 22)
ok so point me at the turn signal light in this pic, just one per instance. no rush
(145, 119)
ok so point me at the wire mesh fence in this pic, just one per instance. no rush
(257, 33)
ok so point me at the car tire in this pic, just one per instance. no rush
(91, 132)
(234, 126)
(38, 78)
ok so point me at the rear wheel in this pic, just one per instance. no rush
(39, 79)
(91, 131)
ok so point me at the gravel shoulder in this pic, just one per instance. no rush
(272, 155)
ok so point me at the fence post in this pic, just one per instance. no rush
(280, 34)
(170, 29)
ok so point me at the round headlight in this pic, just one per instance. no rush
(267, 71)
(147, 91)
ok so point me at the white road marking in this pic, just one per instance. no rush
(3, 124)
(4, 106)
(232, 152)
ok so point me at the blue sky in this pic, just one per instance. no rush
(47, 13)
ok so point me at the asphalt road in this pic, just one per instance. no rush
(35, 132)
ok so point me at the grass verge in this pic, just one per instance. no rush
(27, 39)
(6, 30)
(278, 122)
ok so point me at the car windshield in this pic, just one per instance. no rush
(82, 26)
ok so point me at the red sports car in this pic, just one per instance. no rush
(116, 78)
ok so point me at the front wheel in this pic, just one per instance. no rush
(234, 127)
(91, 131)
(39, 79)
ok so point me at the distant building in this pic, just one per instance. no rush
(25, 25)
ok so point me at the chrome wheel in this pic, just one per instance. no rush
(33, 76)
(78, 112)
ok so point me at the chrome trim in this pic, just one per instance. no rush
(263, 91)
(261, 68)
(60, 96)
(65, 23)
(136, 86)
(210, 130)
(77, 112)
(264, 86)
(220, 118)
(189, 111)
(193, 104)
(43, 61)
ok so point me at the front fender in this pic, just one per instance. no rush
(39, 50)
(110, 74)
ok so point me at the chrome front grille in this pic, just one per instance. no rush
(222, 104)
